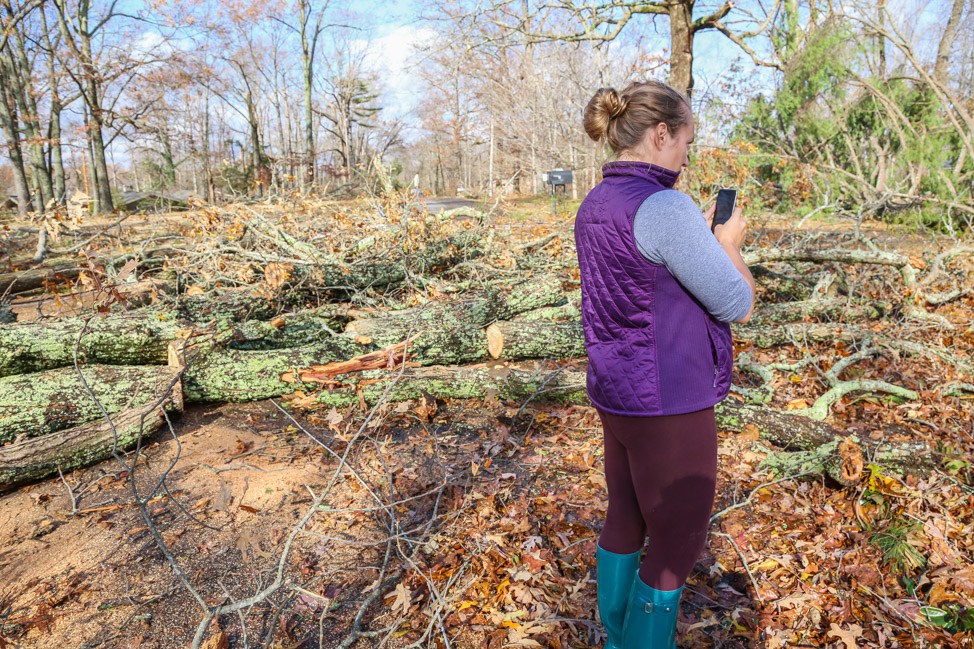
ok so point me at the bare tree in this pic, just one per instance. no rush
(578, 21)
(309, 33)
(77, 32)
(350, 104)
(11, 15)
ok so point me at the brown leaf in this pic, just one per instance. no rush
(852, 463)
(426, 407)
(127, 270)
(750, 433)
(402, 598)
(217, 641)
(333, 418)
(277, 274)
(846, 636)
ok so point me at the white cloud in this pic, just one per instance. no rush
(393, 58)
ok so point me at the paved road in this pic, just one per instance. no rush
(442, 204)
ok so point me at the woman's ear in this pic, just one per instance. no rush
(662, 132)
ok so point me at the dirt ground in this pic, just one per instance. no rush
(473, 523)
(244, 476)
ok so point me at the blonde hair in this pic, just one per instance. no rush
(621, 118)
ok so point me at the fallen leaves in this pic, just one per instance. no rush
(846, 636)
(401, 599)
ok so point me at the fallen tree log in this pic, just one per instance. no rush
(132, 339)
(826, 309)
(32, 405)
(27, 280)
(69, 268)
(77, 303)
(243, 375)
(451, 333)
(812, 446)
(66, 450)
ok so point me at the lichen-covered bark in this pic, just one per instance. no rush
(567, 386)
(39, 403)
(538, 339)
(812, 446)
(136, 339)
(784, 430)
(40, 457)
(831, 309)
(235, 305)
(242, 375)
(292, 330)
(452, 333)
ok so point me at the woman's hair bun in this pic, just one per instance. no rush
(615, 104)
(620, 119)
(607, 104)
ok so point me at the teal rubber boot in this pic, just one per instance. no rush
(651, 617)
(614, 575)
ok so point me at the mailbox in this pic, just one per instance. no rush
(557, 177)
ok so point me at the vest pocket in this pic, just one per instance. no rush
(714, 355)
(722, 348)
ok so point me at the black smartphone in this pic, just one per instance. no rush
(726, 200)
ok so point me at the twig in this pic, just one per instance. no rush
(747, 567)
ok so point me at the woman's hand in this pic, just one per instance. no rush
(709, 215)
(732, 232)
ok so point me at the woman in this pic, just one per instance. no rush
(658, 291)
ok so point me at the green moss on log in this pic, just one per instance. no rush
(240, 375)
(39, 457)
(43, 402)
(114, 340)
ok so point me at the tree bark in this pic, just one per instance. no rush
(26, 280)
(20, 75)
(36, 404)
(120, 340)
(681, 46)
(10, 127)
(33, 459)
(947, 42)
(54, 126)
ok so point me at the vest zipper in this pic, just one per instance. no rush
(714, 354)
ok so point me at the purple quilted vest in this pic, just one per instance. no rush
(653, 349)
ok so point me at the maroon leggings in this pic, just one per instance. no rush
(661, 474)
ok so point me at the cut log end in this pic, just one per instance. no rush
(495, 340)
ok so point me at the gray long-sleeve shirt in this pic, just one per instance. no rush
(671, 230)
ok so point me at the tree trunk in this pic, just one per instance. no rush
(307, 67)
(57, 159)
(947, 42)
(681, 45)
(20, 75)
(36, 458)
(54, 126)
(99, 162)
(10, 128)
(39, 403)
